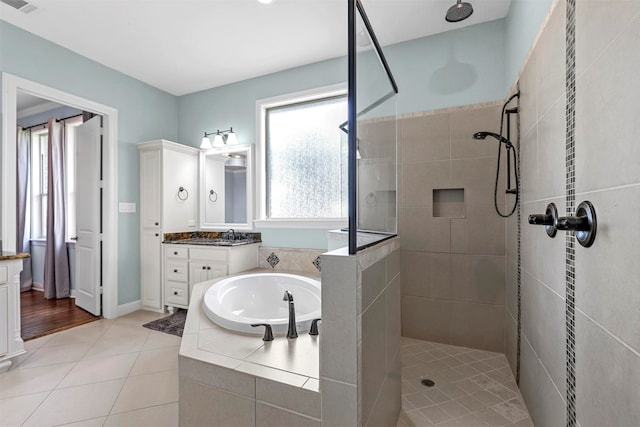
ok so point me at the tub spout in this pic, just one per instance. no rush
(291, 330)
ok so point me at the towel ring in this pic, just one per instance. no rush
(183, 190)
(213, 196)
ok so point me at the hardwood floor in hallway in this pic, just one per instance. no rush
(40, 316)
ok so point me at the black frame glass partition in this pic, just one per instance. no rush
(371, 128)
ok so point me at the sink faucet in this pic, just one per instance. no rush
(231, 233)
(291, 331)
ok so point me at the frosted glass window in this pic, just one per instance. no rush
(305, 157)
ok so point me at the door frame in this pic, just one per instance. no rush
(10, 86)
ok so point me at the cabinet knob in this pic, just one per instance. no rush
(175, 292)
(175, 270)
(157, 223)
(204, 267)
(175, 253)
(208, 268)
(157, 234)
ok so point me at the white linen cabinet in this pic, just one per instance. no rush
(168, 193)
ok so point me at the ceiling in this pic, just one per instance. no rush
(184, 46)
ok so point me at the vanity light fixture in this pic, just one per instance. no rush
(221, 138)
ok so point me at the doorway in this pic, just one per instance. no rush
(108, 209)
(80, 139)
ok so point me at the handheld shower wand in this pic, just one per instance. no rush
(511, 152)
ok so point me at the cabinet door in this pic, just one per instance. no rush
(201, 271)
(4, 320)
(150, 269)
(198, 271)
(179, 207)
(150, 188)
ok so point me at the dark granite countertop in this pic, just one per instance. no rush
(212, 238)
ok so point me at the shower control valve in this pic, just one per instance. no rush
(584, 224)
(548, 219)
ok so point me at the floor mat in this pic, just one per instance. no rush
(173, 324)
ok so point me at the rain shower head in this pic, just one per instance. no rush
(459, 12)
(484, 135)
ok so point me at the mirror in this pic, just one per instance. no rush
(226, 177)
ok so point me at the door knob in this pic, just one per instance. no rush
(175, 270)
(584, 224)
(548, 219)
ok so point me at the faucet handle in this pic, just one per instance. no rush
(314, 326)
(268, 332)
(287, 296)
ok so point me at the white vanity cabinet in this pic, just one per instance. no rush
(186, 265)
(168, 203)
(11, 343)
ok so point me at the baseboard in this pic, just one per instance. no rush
(129, 307)
(37, 286)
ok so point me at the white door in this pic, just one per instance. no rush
(88, 248)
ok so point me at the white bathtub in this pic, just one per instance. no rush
(237, 302)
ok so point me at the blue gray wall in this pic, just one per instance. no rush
(448, 69)
(471, 65)
(144, 113)
(522, 24)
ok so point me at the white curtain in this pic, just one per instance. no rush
(56, 262)
(23, 190)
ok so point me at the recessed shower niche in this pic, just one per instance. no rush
(448, 202)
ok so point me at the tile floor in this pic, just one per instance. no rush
(117, 373)
(105, 373)
(472, 387)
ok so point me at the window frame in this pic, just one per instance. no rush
(37, 220)
(262, 105)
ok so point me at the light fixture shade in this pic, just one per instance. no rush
(231, 138)
(205, 144)
(218, 141)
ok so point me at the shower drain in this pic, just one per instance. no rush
(427, 382)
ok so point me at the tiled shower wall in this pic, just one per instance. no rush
(604, 341)
(453, 242)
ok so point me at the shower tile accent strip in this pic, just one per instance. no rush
(570, 209)
(519, 254)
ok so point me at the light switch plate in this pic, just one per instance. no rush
(127, 207)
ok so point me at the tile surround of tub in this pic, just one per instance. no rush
(361, 307)
(238, 369)
(289, 259)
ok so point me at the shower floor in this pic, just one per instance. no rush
(472, 387)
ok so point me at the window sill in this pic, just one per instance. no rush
(319, 224)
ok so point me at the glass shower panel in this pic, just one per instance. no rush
(376, 141)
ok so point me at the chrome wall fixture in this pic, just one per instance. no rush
(221, 138)
(584, 223)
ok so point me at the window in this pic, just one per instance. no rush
(303, 156)
(39, 190)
